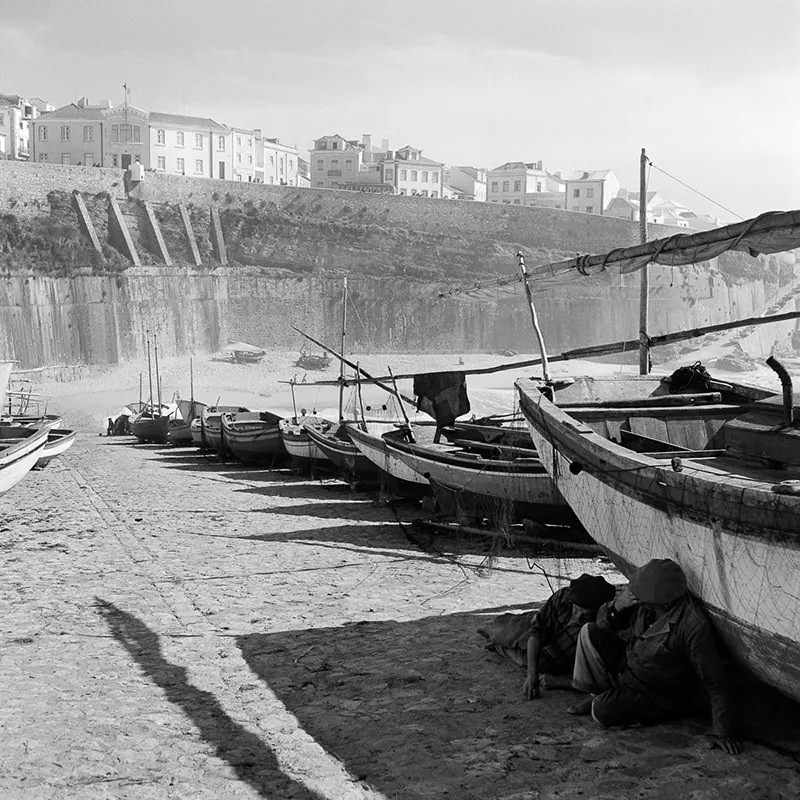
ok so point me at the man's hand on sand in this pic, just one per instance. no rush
(531, 687)
(730, 746)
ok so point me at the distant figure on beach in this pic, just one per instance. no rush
(649, 656)
(544, 641)
(110, 427)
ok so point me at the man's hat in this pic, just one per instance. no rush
(659, 581)
(590, 591)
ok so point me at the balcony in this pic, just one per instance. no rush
(334, 173)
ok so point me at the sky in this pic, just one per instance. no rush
(708, 87)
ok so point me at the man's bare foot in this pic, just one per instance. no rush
(555, 681)
(582, 708)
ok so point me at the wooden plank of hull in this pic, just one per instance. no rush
(254, 445)
(636, 511)
(58, 442)
(300, 447)
(151, 430)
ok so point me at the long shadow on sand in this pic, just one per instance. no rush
(252, 760)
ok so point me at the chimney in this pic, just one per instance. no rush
(538, 165)
(256, 133)
(366, 140)
(623, 193)
(83, 102)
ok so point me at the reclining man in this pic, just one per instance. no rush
(544, 641)
(649, 653)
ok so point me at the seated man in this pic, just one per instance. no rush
(650, 651)
(544, 641)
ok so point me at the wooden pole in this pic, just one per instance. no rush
(149, 374)
(360, 399)
(341, 363)
(534, 318)
(402, 407)
(644, 286)
(294, 404)
(158, 380)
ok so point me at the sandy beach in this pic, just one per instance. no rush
(178, 627)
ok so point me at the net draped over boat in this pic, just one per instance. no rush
(772, 232)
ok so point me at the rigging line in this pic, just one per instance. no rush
(696, 191)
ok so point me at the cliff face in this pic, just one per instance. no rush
(65, 301)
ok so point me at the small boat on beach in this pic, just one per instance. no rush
(300, 446)
(253, 436)
(333, 440)
(59, 440)
(243, 353)
(20, 449)
(211, 425)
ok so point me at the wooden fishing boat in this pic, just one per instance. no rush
(396, 474)
(486, 480)
(253, 436)
(712, 483)
(211, 425)
(299, 445)
(333, 440)
(59, 440)
(20, 449)
(707, 475)
(151, 425)
(180, 422)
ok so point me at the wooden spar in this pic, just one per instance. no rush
(149, 372)
(191, 385)
(294, 404)
(158, 379)
(411, 437)
(378, 382)
(613, 347)
(360, 399)
(534, 318)
(644, 286)
(341, 363)
(140, 391)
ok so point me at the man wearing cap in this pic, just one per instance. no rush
(544, 641)
(650, 651)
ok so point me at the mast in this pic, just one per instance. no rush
(534, 318)
(149, 373)
(341, 363)
(158, 380)
(140, 391)
(294, 404)
(644, 286)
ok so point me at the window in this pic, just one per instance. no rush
(538, 186)
(239, 157)
(320, 163)
(435, 177)
(494, 186)
(321, 183)
(198, 165)
(590, 209)
(42, 133)
(238, 141)
(42, 156)
(335, 145)
(403, 175)
(180, 138)
(413, 175)
(126, 133)
(250, 159)
(388, 175)
(181, 165)
(114, 160)
(334, 163)
(161, 137)
(88, 133)
(66, 158)
(506, 185)
(348, 163)
(517, 186)
(576, 192)
(590, 192)
(161, 162)
(425, 179)
(424, 192)
(249, 142)
(221, 143)
(516, 202)
(238, 177)
(64, 134)
(198, 140)
(88, 159)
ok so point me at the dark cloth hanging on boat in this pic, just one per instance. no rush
(443, 395)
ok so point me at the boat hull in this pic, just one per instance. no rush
(151, 429)
(345, 455)
(58, 442)
(18, 459)
(739, 546)
(253, 441)
(399, 476)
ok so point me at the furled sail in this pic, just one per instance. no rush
(771, 232)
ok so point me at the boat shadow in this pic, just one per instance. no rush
(252, 760)
(421, 709)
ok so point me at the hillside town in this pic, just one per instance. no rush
(102, 134)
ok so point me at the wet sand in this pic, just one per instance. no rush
(176, 627)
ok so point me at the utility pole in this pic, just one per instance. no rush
(644, 287)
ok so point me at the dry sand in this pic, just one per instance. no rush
(175, 627)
